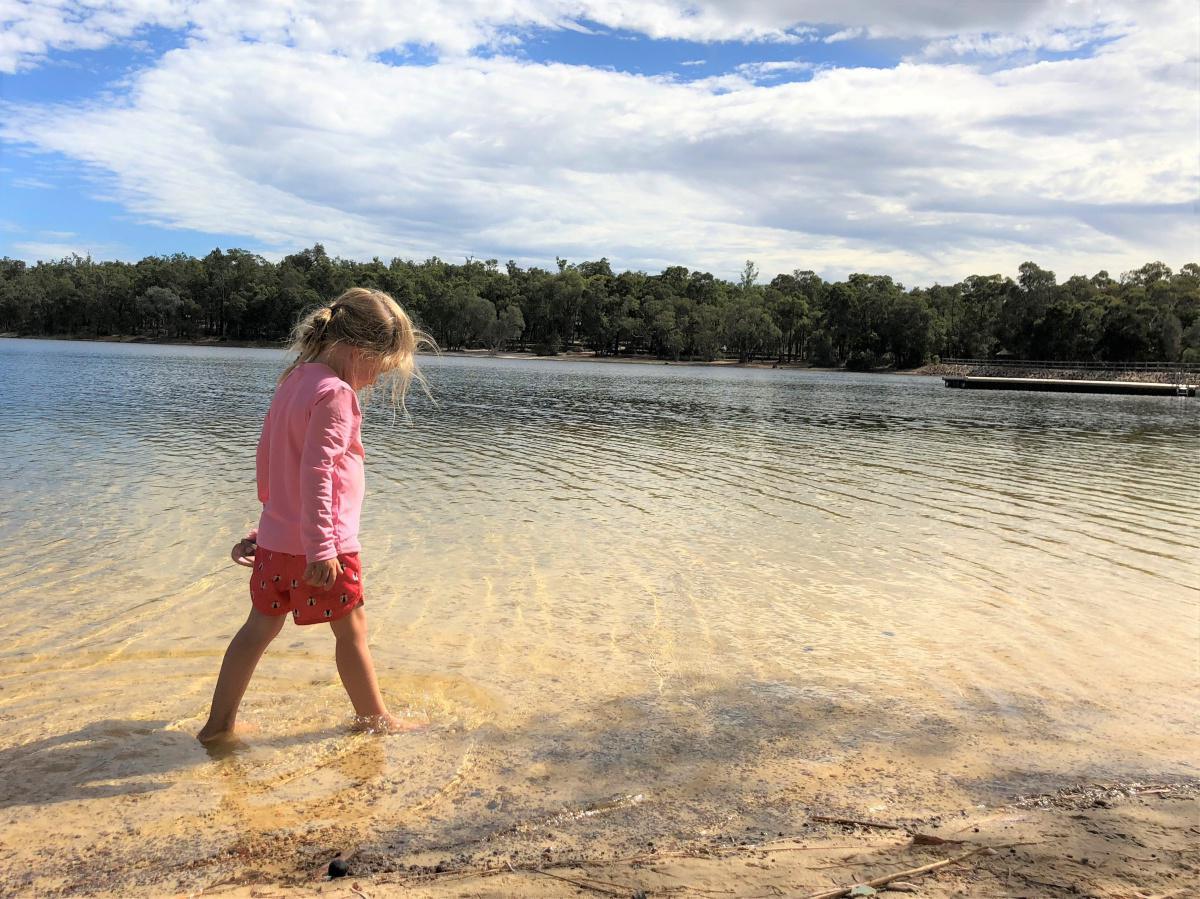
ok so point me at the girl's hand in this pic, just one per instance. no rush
(243, 552)
(322, 574)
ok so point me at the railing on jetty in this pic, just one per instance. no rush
(1092, 366)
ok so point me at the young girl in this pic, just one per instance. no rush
(304, 553)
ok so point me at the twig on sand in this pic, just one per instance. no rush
(593, 886)
(854, 822)
(898, 875)
(928, 839)
(859, 848)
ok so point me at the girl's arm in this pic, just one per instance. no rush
(329, 434)
(261, 458)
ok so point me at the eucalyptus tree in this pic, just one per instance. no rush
(865, 320)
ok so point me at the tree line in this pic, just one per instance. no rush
(863, 322)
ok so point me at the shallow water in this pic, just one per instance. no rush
(669, 591)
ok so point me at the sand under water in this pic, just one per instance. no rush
(659, 620)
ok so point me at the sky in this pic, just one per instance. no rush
(928, 140)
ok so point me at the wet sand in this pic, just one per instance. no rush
(1089, 842)
(1128, 839)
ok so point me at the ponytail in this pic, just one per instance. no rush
(309, 338)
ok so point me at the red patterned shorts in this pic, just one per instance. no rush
(277, 587)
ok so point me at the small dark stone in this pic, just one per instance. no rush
(338, 867)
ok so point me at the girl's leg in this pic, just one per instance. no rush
(241, 658)
(358, 673)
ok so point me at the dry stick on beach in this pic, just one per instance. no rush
(899, 875)
(928, 839)
(594, 886)
(854, 822)
(856, 849)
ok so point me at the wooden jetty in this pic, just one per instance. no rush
(1148, 378)
(1063, 385)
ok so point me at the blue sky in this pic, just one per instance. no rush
(49, 198)
(855, 137)
(638, 54)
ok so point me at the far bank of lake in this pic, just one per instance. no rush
(932, 368)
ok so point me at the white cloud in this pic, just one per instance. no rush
(923, 171)
(765, 71)
(846, 34)
(912, 168)
(30, 30)
(1008, 44)
(35, 250)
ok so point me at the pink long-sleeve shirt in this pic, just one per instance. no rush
(310, 466)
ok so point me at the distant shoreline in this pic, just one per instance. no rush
(461, 354)
(931, 369)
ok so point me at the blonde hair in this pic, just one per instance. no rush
(373, 323)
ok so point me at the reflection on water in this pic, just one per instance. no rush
(597, 577)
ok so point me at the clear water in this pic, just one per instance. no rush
(599, 580)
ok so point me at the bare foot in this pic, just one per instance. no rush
(387, 723)
(212, 734)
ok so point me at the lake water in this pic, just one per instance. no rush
(641, 597)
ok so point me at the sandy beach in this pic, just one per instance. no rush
(1133, 841)
(1129, 840)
